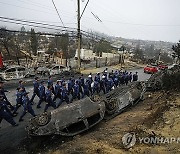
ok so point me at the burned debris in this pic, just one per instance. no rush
(77, 117)
(167, 79)
(68, 120)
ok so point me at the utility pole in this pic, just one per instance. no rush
(159, 58)
(79, 36)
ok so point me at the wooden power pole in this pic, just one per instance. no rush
(79, 36)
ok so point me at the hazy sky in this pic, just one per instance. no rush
(138, 19)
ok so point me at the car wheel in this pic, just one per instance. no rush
(43, 119)
(111, 106)
(95, 98)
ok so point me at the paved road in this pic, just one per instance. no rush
(11, 137)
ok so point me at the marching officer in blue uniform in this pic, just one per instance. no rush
(36, 88)
(135, 76)
(70, 86)
(111, 74)
(97, 77)
(42, 95)
(80, 87)
(103, 84)
(57, 90)
(63, 80)
(121, 78)
(130, 77)
(109, 85)
(64, 95)
(126, 78)
(76, 93)
(96, 87)
(49, 100)
(89, 79)
(82, 80)
(116, 81)
(105, 75)
(27, 106)
(86, 88)
(73, 81)
(116, 74)
(5, 113)
(2, 92)
(50, 83)
(19, 94)
(21, 85)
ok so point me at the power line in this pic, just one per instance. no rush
(38, 33)
(57, 12)
(74, 32)
(34, 22)
(45, 26)
(40, 24)
(97, 18)
(84, 9)
(26, 24)
(50, 34)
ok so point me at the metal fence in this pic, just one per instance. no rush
(101, 62)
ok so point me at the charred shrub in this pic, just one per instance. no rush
(171, 80)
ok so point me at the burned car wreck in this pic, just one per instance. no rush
(77, 117)
(122, 97)
(69, 120)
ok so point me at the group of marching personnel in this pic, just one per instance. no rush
(64, 91)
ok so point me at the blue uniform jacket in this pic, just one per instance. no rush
(48, 95)
(50, 82)
(57, 89)
(25, 101)
(76, 89)
(36, 86)
(64, 92)
(41, 90)
(19, 96)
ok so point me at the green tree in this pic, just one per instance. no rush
(34, 42)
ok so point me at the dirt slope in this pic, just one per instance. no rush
(158, 114)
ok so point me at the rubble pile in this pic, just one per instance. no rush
(171, 78)
(167, 80)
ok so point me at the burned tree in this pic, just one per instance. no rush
(34, 42)
(6, 40)
(176, 49)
